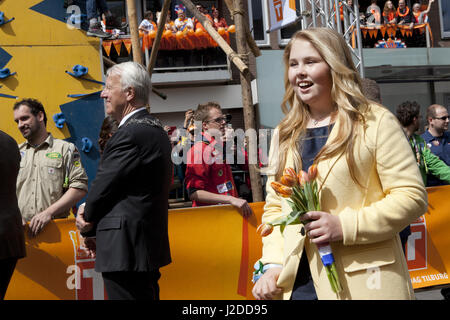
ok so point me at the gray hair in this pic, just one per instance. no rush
(133, 75)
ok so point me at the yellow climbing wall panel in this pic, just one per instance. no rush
(41, 49)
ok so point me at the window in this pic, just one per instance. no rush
(152, 5)
(117, 8)
(257, 12)
(444, 12)
(286, 33)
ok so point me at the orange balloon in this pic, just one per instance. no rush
(152, 34)
(190, 32)
(199, 32)
(232, 29)
(221, 31)
(167, 33)
(179, 35)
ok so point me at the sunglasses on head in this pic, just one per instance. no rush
(219, 119)
(225, 118)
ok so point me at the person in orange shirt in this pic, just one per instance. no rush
(169, 25)
(421, 16)
(218, 20)
(203, 11)
(404, 15)
(389, 13)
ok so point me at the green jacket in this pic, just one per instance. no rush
(427, 161)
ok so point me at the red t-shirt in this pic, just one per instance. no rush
(206, 170)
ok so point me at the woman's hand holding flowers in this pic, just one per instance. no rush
(324, 227)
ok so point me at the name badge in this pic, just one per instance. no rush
(225, 187)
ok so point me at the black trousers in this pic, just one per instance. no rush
(7, 267)
(132, 285)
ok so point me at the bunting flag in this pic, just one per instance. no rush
(127, 44)
(117, 45)
(107, 46)
(172, 41)
(390, 30)
(282, 13)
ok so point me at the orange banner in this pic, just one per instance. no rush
(427, 252)
(172, 41)
(391, 30)
(213, 252)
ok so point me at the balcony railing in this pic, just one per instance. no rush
(396, 36)
(179, 57)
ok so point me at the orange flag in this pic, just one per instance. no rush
(364, 32)
(117, 45)
(107, 46)
(127, 44)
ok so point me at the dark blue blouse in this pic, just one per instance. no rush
(309, 146)
(311, 143)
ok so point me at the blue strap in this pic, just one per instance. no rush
(81, 78)
(80, 95)
(7, 96)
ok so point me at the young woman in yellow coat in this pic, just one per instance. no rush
(370, 187)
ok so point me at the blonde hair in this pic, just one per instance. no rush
(349, 102)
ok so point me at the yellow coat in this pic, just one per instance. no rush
(369, 260)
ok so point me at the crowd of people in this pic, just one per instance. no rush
(98, 13)
(372, 168)
(182, 22)
(383, 13)
(52, 180)
(403, 15)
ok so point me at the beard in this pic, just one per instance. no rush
(29, 132)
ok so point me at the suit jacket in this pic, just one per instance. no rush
(128, 200)
(12, 240)
(369, 260)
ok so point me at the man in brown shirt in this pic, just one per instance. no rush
(51, 178)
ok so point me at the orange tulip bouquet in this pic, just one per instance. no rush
(302, 194)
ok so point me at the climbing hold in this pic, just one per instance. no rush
(2, 19)
(5, 73)
(79, 70)
(59, 119)
(87, 144)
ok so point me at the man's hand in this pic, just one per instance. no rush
(81, 224)
(266, 286)
(242, 205)
(188, 117)
(38, 222)
(90, 246)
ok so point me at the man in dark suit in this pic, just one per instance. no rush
(12, 240)
(127, 205)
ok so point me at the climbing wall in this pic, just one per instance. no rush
(40, 49)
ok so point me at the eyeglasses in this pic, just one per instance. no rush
(218, 120)
(444, 118)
